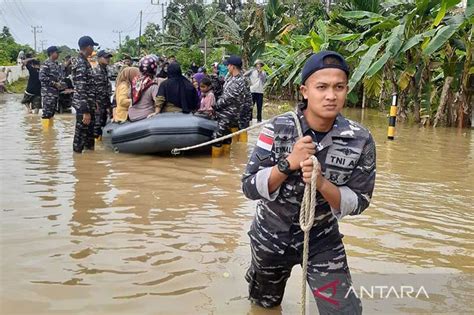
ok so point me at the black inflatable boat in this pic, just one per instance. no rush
(160, 133)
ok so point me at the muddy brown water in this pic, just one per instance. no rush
(105, 233)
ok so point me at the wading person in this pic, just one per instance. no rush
(65, 95)
(83, 100)
(232, 108)
(257, 77)
(276, 174)
(32, 96)
(50, 76)
(103, 90)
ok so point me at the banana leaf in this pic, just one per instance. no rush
(365, 62)
(395, 42)
(442, 36)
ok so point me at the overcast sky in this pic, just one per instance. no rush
(64, 21)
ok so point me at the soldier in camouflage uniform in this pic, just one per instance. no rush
(103, 91)
(83, 100)
(276, 174)
(50, 76)
(233, 106)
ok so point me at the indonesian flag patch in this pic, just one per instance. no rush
(265, 140)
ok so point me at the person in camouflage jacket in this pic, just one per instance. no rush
(103, 91)
(50, 76)
(83, 100)
(235, 104)
(276, 174)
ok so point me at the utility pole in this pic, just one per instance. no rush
(163, 4)
(120, 38)
(42, 43)
(36, 29)
(139, 34)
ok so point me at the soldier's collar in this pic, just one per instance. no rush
(341, 127)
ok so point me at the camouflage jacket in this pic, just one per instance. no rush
(50, 74)
(103, 88)
(84, 96)
(347, 158)
(236, 94)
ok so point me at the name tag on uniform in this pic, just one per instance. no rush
(342, 156)
(283, 144)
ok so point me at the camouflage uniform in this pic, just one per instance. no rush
(232, 107)
(50, 74)
(83, 102)
(217, 85)
(245, 116)
(347, 157)
(103, 90)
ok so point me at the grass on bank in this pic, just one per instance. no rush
(18, 86)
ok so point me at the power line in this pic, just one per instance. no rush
(132, 27)
(15, 36)
(52, 36)
(25, 10)
(22, 14)
(11, 8)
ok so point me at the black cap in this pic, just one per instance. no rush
(52, 49)
(235, 61)
(85, 41)
(319, 61)
(104, 54)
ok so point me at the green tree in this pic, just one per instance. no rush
(9, 49)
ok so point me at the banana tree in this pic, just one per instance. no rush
(401, 43)
(288, 56)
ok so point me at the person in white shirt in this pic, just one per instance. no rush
(257, 78)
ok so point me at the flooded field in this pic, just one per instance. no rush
(105, 233)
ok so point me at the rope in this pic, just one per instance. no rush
(176, 151)
(307, 212)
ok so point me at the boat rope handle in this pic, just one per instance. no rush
(177, 151)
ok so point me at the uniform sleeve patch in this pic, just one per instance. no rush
(265, 140)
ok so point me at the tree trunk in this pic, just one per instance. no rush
(414, 91)
(466, 89)
(363, 96)
(441, 113)
(453, 104)
(402, 112)
(416, 111)
(424, 79)
(382, 89)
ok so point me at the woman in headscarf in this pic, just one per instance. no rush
(197, 77)
(144, 90)
(123, 96)
(176, 94)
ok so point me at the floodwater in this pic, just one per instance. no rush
(106, 233)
